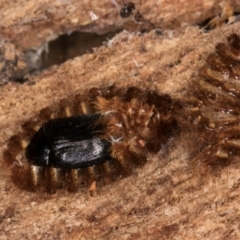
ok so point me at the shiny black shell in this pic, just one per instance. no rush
(68, 143)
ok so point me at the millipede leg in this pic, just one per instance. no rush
(107, 172)
(50, 179)
(14, 148)
(72, 180)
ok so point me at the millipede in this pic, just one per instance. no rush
(96, 137)
(214, 105)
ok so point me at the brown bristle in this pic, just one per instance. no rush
(215, 106)
(73, 181)
(217, 64)
(225, 15)
(135, 123)
(14, 146)
(30, 127)
(234, 41)
(22, 177)
(64, 108)
(46, 113)
(228, 54)
(120, 153)
(108, 169)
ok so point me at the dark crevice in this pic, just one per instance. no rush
(69, 46)
(25, 65)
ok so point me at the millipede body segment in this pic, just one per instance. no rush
(97, 137)
(214, 104)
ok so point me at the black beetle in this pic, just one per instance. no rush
(69, 143)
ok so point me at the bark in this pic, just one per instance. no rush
(30, 24)
(165, 199)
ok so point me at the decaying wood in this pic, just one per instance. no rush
(165, 199)
(30, 24)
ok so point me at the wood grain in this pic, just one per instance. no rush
(165, 199)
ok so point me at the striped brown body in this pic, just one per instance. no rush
(136, 123)
(214, 105)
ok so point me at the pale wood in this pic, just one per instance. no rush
(163, 200)
(29, 23)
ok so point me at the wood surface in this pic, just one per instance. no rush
(166, 198)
